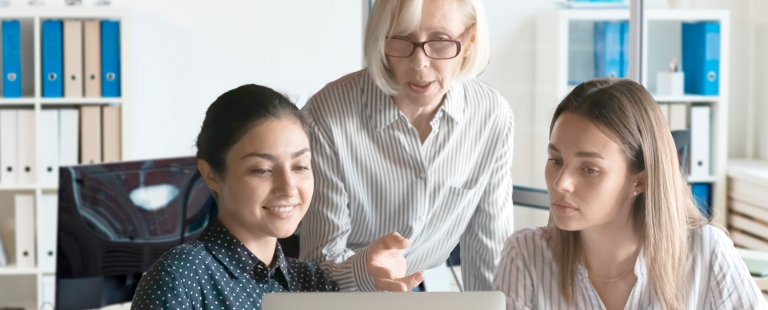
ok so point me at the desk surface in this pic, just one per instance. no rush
(762, 283)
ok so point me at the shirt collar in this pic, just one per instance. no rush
(236, 257)
(382, 111)
(380, 107)
(455, 103)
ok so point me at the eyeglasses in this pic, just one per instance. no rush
(435, 49)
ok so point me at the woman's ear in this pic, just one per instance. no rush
(471, 39)
(209, 175)
(639, 184)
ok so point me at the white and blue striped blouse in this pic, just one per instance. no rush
(373, 176)
(527, 275)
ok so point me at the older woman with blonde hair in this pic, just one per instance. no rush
(623, 232)
(413, 143)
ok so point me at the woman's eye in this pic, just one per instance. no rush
(261, 171)
(555, 161)
(590, 170)
(301, 168)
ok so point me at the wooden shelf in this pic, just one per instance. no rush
(704, 179)
(13, 270)
(686, 15)
(650, 15)
(17, 101)
(686, 98)
(81, 12)
(79, 101)
(16, 187)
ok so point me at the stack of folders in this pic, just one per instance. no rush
(17, 146)
(3, 251)
(11, 58)
(25, 232)
(100, 134)
(47, 223)
(611, 40)
(80, 58)
(701, 57)
(691, 129)
(89, 134)
(24, 215)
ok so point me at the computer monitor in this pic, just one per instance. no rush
(385, 301)
(116, 220)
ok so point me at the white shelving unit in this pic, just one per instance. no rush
(21, 287)
(558, 62)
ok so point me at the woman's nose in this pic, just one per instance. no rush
(284, 185)
(564, 182)
(419, 59)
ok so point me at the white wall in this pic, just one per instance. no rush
(759, 22)
(184, 53)
(512, 24)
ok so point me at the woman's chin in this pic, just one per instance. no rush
(283, 231)
(567, 224)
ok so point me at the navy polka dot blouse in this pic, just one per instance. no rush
(216, 271)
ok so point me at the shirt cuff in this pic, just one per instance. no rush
(363, 280)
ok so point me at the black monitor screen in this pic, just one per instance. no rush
(116, 220)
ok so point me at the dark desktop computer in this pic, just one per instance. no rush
(116, 220)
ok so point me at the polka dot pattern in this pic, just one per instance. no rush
(216, 271)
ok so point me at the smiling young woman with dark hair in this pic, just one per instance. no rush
(623, 231)
(254, 155)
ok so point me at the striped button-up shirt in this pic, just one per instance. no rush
(373, 176)
(527, 275)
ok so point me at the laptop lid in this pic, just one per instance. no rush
(756, 267)
(385, 301)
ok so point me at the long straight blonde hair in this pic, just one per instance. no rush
(664, 214)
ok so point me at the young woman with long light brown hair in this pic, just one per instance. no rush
(624, 232)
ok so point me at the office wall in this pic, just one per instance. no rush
(184, 53)
(759, 22)
(513, 26)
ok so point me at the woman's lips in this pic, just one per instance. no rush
(420, 88)
(282, 212)
(564, 208)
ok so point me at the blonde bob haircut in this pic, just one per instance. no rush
(399, 17)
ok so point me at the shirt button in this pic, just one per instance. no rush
(422, 175)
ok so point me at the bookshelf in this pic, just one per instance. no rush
(560, 55)
(23, 286)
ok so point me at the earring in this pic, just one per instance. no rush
(635, 193)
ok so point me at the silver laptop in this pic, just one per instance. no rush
(385, 301)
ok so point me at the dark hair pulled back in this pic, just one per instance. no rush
(233, 114)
